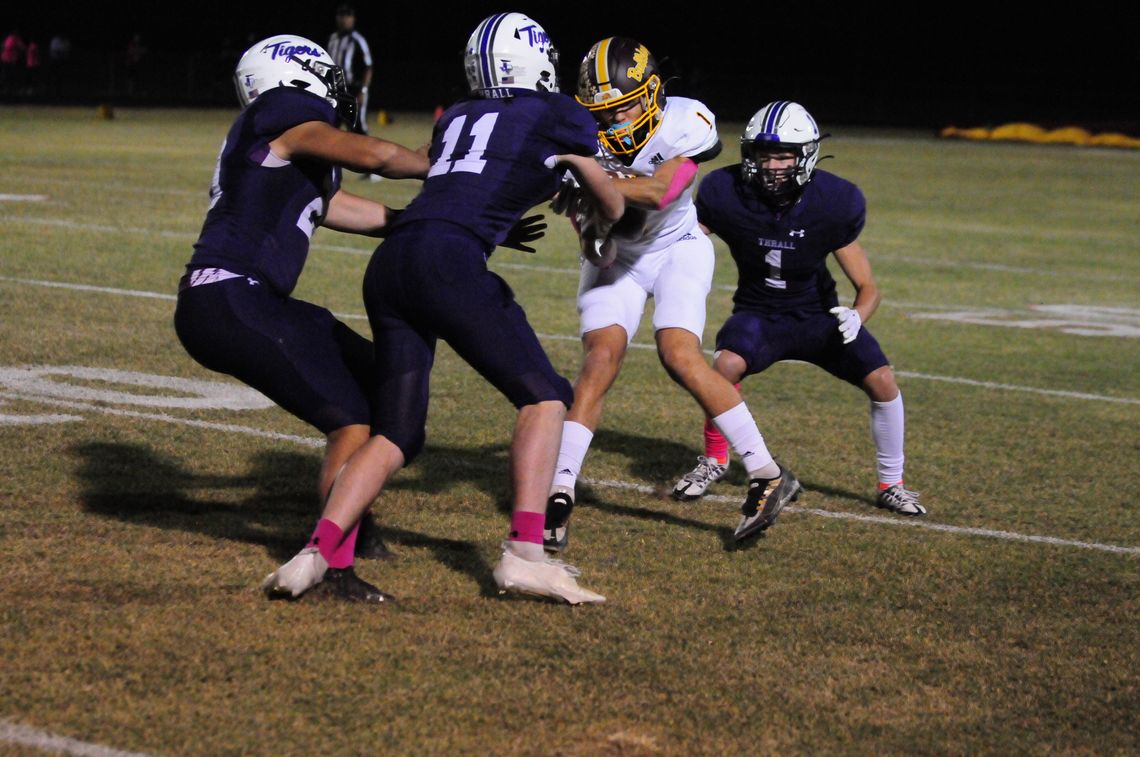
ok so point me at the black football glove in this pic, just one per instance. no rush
(526, 230)
(393, 214)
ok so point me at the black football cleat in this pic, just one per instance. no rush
(369, 545)
(764, 501)
(556, 533)
(344, 585)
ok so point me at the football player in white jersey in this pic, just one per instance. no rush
(653, 145)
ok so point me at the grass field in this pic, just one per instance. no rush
(143, 498)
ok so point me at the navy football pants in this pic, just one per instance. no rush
(763, 339)
(429, 281)
(295, 353)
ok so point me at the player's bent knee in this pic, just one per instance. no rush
(535, 388)
(880, 385)
(411, 445)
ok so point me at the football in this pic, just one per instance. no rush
(632, 223)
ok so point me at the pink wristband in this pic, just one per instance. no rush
(680, 180)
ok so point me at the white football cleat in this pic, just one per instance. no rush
(696, 482)
(544, 578)
(899, 499)
(294, 578)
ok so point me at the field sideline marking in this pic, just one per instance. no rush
(192, 235)
(635, 345)
(624, 485)
(14, 733)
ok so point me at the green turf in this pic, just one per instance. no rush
(1005, 622)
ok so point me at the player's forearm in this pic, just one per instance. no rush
(357, 215)
(316, 139)
(867, 299)
(398, 162)
(606, 200)
(659, 190)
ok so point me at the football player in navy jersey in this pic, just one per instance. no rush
(494, 155)
(781, 217)
(277, 179)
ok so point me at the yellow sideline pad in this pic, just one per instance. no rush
(1019, 132)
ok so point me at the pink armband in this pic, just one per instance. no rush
(681, 179)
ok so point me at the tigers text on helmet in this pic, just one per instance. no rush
(510, 51)
(287, 60)
(780, 128)
(617, 73)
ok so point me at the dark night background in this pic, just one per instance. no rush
(928, 68)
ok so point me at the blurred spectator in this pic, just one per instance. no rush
(136, 51)
(34, 62)
(59, 58)
(12, 62)
(59, 49)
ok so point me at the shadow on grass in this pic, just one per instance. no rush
(650, 459)
(273, 505)
(270, 506)
(459, 556)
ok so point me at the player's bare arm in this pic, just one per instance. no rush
(357, 215)
(654, 192)
(315, 139)
(853, 260)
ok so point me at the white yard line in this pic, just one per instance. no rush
(14, 733)
(317, 245)
(22, 198)
(316, 442)
(634, 345)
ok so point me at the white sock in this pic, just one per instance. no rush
(576, 440)
(887, 430)
(526, 550)
(742, 433)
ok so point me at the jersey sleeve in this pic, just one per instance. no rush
(571, 128)
(693, 133)
(285, 107)
(711, 198)
(854, 215)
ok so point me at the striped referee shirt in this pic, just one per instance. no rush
(351, 52)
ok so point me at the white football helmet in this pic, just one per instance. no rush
(780, 127)
(291, 61)
(510, 51)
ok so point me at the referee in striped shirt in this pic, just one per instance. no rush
(351, 52)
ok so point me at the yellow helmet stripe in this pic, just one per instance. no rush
(601, 63)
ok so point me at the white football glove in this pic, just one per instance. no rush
(849, 323)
